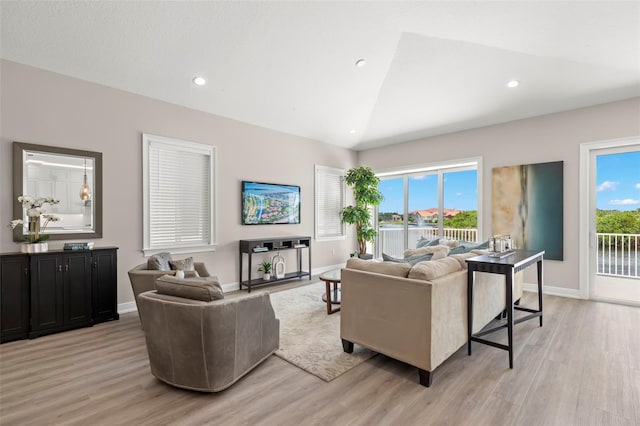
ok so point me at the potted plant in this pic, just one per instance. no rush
(265, 268)
(366, 195)
(38, 221)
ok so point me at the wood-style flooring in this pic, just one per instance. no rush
(581, 368)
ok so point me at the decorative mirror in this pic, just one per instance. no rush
(72, 176)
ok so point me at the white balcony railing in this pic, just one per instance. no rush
(392, 238)
(617, 255)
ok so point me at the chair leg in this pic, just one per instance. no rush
(426, 377)
(347, 346)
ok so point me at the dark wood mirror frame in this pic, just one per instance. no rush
(18, 185)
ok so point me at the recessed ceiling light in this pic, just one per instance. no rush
(352, 131)
(513, 83)
(361, 63)
(199, 81)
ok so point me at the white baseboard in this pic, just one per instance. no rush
(126, 307)
(317, 271)
(554, 291)
(123, 308)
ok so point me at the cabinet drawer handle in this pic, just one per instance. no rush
(66, 268)
(59, 268)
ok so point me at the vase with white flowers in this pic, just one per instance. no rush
(38, 220)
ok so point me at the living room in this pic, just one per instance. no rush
(50, 99)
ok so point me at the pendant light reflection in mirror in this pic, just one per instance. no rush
(85, 191)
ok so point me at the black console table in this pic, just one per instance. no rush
(507, 265)
(266, 245)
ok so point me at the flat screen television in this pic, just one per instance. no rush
(270, 203)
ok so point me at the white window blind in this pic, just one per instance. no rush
(330, 199)
(178, 195)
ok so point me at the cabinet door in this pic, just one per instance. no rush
(77, 288)
(14, 297)
(105, 284)
(47, 295)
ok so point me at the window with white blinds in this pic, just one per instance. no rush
(330, 199)
(178, 186)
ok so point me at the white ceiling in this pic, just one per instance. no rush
(432, 67)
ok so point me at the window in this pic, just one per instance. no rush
(435, 201)
(178, 195)
(330, 193)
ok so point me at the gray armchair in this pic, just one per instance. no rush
(143, 279)
(206, 345)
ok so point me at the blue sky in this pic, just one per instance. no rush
(618, 181)
(460, 192)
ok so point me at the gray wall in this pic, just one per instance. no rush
(554, 137)
(50, 109)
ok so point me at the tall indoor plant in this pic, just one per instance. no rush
(366, 194)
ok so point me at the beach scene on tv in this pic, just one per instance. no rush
(265, 203)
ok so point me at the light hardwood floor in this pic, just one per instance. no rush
(581, 368)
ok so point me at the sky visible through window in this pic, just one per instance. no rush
(460, 192)
(618, 181)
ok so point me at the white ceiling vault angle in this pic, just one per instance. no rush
(431, 67)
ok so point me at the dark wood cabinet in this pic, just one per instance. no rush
(14, 297)
(62, 290)
(103, 285)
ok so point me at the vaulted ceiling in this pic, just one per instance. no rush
(431, 67)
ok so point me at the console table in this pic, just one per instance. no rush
(507, 266)
(267, 245)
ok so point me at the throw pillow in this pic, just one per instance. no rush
(434, 269)
(426, 242)
(205, 289)
(159, 262)
(438, 252)
(184, 264)
(388, 258)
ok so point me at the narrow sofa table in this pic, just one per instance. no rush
(506, 265)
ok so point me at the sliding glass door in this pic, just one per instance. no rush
(436, 202)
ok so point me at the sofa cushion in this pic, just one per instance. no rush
(197, 288)
(434, 269)
(159, 262)
(437, 252)
(387, 268)
(183, 265)
(462, 257)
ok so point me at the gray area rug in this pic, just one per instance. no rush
(309, 338)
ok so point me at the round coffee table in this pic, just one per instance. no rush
(331, 296)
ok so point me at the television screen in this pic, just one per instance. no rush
(269, 203)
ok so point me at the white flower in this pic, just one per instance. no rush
(15, 223)
(51, 217)
(35, 212)
(25, 199)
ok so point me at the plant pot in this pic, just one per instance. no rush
(365, 256)
(34, 247)
(266, 277)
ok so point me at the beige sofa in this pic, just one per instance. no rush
(417, 314)
(202, 344)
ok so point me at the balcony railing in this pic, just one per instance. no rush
(617, 255)
(392, 238)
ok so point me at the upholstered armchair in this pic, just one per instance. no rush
(144, 279)
(205, 345)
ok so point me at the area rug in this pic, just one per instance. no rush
(309, 338)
